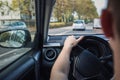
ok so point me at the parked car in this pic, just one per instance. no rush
(15, 24)
(79, 25)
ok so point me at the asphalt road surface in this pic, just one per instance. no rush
(7, 56)
(68, 31)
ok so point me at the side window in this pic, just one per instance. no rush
(17, 29)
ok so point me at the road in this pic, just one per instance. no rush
(7, 56)
(68, 30)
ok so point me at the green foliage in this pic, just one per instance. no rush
(65, 8)
(4, 36)
(23, 6)
(60, 24)
(20, 4)
(86, 9)
(1, 3)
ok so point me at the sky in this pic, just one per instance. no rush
(100, 4)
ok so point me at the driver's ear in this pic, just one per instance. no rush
(107, 23)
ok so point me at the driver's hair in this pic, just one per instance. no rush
(114, 6)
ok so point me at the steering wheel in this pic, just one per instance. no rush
(91, 59)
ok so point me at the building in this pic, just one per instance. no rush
(7, 14)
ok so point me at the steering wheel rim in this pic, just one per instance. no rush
(90, 56)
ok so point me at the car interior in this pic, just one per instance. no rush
(33, 59)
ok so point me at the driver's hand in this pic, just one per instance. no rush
(71, 41)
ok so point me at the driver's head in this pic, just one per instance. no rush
(110, 20)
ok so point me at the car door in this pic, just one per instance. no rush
(23, 62)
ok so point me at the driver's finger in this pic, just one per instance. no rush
(80, 38)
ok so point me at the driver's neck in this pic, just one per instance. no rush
(117, 66)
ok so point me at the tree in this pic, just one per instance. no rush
(86, 9)
(4, 4)
(23, 6)
(65, 8)
(58, 10)
(1, 4)
(5, 8)
(68, 10)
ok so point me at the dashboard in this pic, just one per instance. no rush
(54, 46)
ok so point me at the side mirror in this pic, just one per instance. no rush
(15, 38)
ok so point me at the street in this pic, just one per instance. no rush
(9, 55)
(68, 31)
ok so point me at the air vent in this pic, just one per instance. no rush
(50, 54)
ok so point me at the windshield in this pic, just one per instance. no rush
(71, 17)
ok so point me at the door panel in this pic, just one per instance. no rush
(23, 69)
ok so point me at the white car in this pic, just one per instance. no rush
(79, 25)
